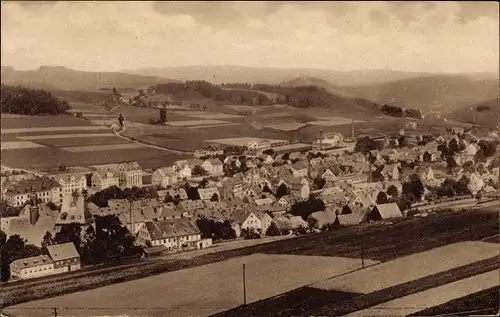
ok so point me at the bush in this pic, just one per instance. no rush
(273, 230)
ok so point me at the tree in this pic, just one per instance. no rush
(15, 248)
(453, 146)
(215, 197)
(392, 191)
(203, 183)
(71, 232)
(273, 230)
(199, 171)
(382, 198)
(365, 145)
(318, 183)
(47, 240)
(163, 115)
(28, 101)
(282, 190)
(307, 207)
(489, 147)
(451, 163)
(192, 193)
(402, 142)
(413, 190)
(168, 198)
(427, 157)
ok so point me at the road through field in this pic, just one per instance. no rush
(432, 297)
(199, 291)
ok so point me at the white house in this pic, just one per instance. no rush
(299, 169)
(247, 220)
(164, 177)
(213, 166)
(130, 175)
(32, 267)
(178, 234)
(182, 169)
(71, 183)
(104, 179)
(43, 188)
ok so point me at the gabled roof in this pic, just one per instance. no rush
(207, 193)
(194, 162)
(387, 211)
(191, 205)
(129, 166)
(67, 178)
(169, 228)
(166, 171)
(215, 162)
(103, 174)
(239, 216)
(324, 217)
(299, 165)
(63, 251)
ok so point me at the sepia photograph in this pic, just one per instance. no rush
(250, 158)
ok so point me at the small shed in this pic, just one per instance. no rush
(385, 211)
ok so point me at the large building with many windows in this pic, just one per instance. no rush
(42, 189)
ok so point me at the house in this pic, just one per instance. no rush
(32, 267)
(476, 183)
(200, 153)
(321, 219)
(246, 220)
(384, 211)
(213, 150)
(265, 220)
(175, 234)
(180, 193)
(129, 174)
(65, 257)
(259, 145)
(299, 169)
(267, 159)
(72, 211)
(32, 223)
(104, 179)
(287, 222)
(213, 166)
(286, 201)
(328, 175)
(71, 183)
(43, 188)
(264, 201)
(354, 218)
(327, 142)
(457, 130)
(208, 193)
(164, 177)
(190, 206)
(390, 172)
(411, 125)
(183, 169)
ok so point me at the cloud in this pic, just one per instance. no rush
(105, 35)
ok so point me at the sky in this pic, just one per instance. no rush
(451, 37)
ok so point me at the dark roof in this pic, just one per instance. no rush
(37, 185)
(171, 228)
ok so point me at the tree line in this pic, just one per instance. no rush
(28, 101)
(396, 111)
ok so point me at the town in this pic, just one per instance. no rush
(239, 158)
(217, 196)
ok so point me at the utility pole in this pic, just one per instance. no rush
(362, 251)
(352, 129)
(244, 286)
(55, 311)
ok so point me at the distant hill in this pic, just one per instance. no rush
(485, 113)
(259, 75)
(434, 93)
(61, 78)
(308, 96)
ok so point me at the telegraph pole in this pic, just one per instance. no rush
(55, 311)
(244, 287)
(362, 250)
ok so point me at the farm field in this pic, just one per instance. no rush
(188, 123)
(481, 303)
(383, 242)
(24, 122)
(53, 129)
(217, 287)
(416, 302)
(13, 145)
(106, 147)
(242, 141)
(286, 126)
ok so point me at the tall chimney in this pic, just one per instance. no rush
(352, 129)
(34, 214)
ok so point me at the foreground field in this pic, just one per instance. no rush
(217, 287)
(382, 243)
